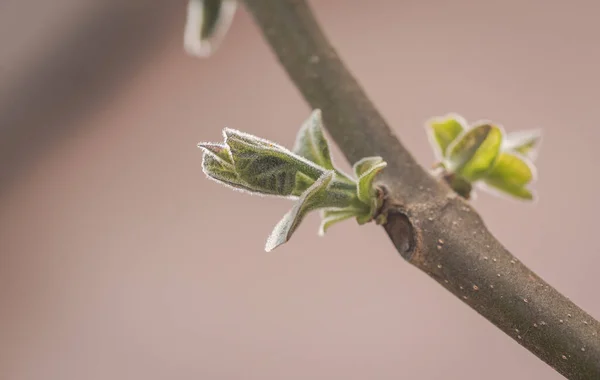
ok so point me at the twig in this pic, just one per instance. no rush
(430, 226)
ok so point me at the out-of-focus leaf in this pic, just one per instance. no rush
(443, 130)
(510, 175)
(207, 23)
(365, 170)
(460, 186)
(517, 192)
(473, 153)
(314, 197)
(523, 142)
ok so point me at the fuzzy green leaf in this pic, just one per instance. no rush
(222, 172)
(314, 197)
(442, 131)
(311, 142)
(510, 175)
(333, 216)
(523, 142)
(303, 182)
(219, 151)
(366, 169)
(267, 167)
(473, 153)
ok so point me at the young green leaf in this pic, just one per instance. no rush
(206, 25)
(219, 151)
(314, 197)
(365, 170)
(233, 135)
(311, 143)
(332, 216)
(519, 193)
(443, 130)
(303, 182)
(473, 153)
(223, 172)
(510, 174)
(523, 142)
(268, 167)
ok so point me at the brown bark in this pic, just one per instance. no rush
(430, 226)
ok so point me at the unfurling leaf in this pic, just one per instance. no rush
(216, 166)
(314, 197)
(311, 143)
(510, 175)
(523, 142)
(219, 151)
(366, 170)
(473, 153)
(442, 131)
(206, 25)
(332, 216)
(303, 182)
(267, 167)
(219, 170)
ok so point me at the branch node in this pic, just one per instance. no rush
(397, 224)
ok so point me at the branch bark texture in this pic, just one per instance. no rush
(430, 226)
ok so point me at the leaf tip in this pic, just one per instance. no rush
(211, 147)
(227, 132)
(442, 130)
(279, 235)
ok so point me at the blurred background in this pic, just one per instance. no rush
(120, 260)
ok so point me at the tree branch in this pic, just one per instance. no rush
(431, 227)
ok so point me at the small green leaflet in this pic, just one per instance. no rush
(511, 174)
(332, 216)
(443, 130)
(311, 143)
(473, 153)
(365, 170)
(309, 200)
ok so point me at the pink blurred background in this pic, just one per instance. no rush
(120, 260)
